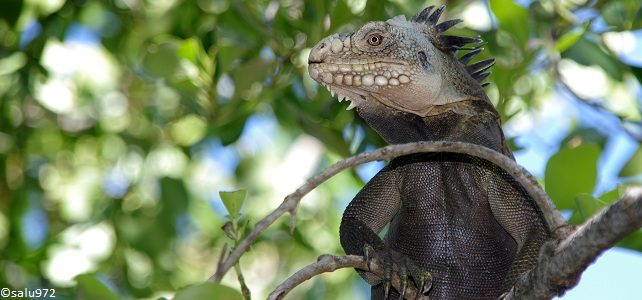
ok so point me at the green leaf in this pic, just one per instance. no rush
(12, 63)
(621, 15)
(250, 75)
(10, 11)
(91, 288)
(323, 131)
(512, 18)
(233, 201)
(570, 172)
(229, 53)
(512, 144)
(341, 15)
(586, 135)
(637, 21)
(632, 241)
(162, 59)
(586, 207)
(634, 166)
(612, 195)
(208, 291)
(230, 129)
(637, 72)
(188, 130)
(570, 38)
(190, 49)
(174, 196)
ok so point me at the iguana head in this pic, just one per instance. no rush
(409, 66)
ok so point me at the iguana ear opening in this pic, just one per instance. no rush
(423, 61)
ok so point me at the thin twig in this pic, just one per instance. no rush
(330, 263)
(239, 275)
(553, 218)
(560, 269)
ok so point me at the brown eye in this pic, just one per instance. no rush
(375, 39)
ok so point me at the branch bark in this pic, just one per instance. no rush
(329, 263)
(559, 268)
(553, 218)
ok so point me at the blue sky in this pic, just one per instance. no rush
(615, 275)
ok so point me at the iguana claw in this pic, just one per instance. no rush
(367, 255)
(403, 281)
(387, 272)
(386, 288)
(425, 283)
(406, 268)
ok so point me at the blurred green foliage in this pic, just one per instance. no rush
(121, 120)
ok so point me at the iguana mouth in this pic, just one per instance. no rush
(380, 73)
(347, 93)
(357, 79)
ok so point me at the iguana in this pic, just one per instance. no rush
(458, 217)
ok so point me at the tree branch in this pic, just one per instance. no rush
(553, 218)
(329, 263)
(560, 268)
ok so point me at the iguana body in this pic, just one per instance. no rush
(458, 217)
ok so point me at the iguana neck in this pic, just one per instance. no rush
(473, 121)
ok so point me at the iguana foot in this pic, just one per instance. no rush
(394, 261)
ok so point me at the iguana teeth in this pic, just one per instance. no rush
(332, 93)
(351, 106)
(341, 98)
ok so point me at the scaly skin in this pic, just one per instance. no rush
(395, 63)
(458, 217)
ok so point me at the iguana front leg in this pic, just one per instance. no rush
(366, 215)
(518, 214)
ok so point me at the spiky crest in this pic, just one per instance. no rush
(451, 43)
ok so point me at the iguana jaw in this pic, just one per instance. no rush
(395, 84)
(351, 94)
(358, 79)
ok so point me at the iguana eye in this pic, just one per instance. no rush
(375, 39)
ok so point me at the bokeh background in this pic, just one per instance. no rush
(121, 120)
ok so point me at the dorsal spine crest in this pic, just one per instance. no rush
(452, 44)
